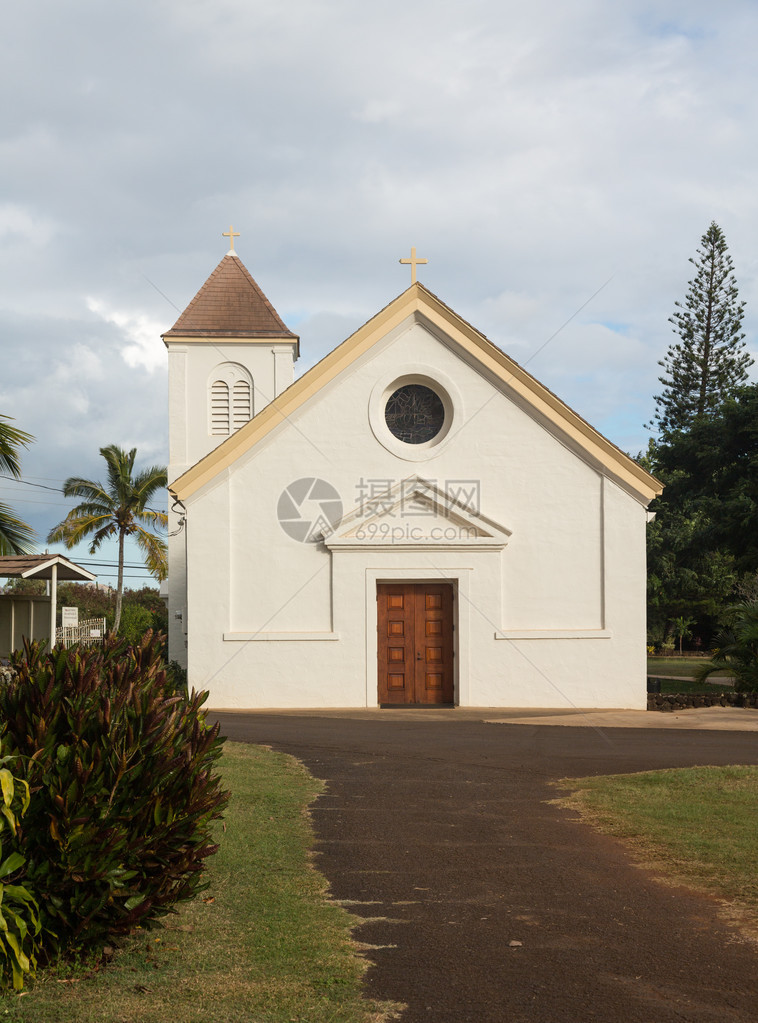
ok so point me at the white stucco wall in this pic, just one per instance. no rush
(193, 366)
(556, 618)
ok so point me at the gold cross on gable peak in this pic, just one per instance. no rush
(413, 262)
(231, 234)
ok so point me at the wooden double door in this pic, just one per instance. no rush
(415, 643)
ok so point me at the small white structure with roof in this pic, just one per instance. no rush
(33, 617)
(416, 520)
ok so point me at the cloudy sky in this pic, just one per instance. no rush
(554, 162)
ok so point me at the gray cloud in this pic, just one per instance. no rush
(531, 152)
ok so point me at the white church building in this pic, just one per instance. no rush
(415, 520)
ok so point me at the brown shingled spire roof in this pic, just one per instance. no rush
(230, 304)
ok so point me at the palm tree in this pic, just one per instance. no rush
(737, 651)
(15, 536)
(682, 629)
(119, 509)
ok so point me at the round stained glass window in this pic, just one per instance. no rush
(414, 414)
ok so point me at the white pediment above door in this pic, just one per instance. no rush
(416, 514)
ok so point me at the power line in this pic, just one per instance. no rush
(110, 569)
(113, 575)
(112, 564)
(49, 479)
(59, 490)
(29, 500)
(28, 483)
(127, 568)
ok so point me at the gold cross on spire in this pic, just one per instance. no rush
(413, 262)
(231, 234)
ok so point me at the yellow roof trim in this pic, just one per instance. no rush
(231, 339)
(419, 299)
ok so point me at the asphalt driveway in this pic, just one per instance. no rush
(483, 902)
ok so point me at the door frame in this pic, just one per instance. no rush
(459, 578)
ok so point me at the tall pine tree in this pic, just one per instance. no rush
(708, 362)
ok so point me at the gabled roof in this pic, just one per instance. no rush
(40, 566)
(416, 513)
(418, 301)
(230, 304)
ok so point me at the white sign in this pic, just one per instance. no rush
(94, 633)
(69, 616)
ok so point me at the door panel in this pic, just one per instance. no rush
(396, 645)
(415, 633)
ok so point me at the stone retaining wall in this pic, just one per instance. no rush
(683, 701)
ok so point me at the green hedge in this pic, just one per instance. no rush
(123, 785)
(19, 912)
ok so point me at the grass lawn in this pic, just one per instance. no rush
(673, 686)
(261, 945)
(695, 825)
(684, 666)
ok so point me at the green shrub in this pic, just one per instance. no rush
(737, 649)
(135, 622)
(121, 772)
(19, 913)
(177, 677)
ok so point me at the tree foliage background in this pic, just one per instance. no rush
(703, 544)
(142, 609)
(709, 360)
(16, 537)
(118, 508)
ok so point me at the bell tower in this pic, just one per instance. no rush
(229, 355)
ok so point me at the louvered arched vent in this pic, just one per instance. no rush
(241, 404)
(220, 417)
(230, 397)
